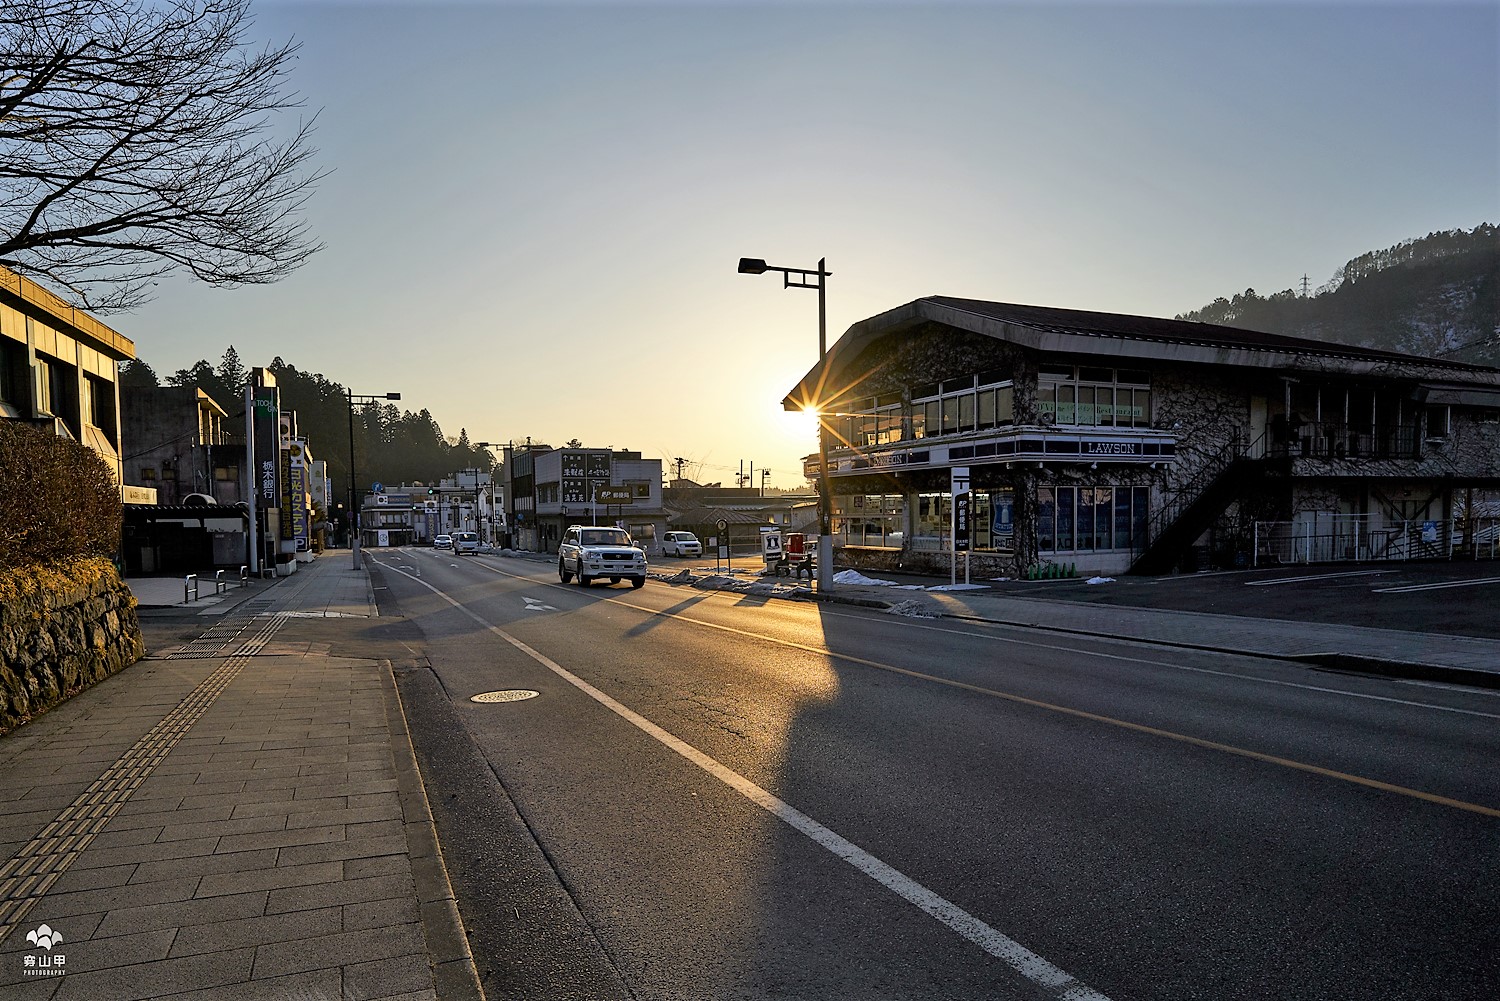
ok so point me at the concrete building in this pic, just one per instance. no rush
(1102, 442)
(183, 442)
(572, 486)
(59, 369)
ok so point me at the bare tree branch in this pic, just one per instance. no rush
(136, 140)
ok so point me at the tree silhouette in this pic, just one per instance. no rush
(136, 140)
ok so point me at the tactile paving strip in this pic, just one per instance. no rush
(221, 635)
(31, 873)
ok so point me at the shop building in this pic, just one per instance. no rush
(589, 486)
(1104, 443)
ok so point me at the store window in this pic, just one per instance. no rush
(1090, 519)
(876, 520)
(930, 524)
(1095, 397)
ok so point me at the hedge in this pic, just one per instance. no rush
(58, 500)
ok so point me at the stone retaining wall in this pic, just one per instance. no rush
(63, 627)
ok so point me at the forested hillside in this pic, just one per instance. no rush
(1436, 296)
(393, 445)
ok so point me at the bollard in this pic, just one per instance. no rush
(244, 575)
(190, 588)
(220, 584)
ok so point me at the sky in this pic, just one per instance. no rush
(535, 210)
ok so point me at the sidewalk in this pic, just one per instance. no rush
(236, 817)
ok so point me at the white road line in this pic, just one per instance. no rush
(1321, 576)
(1056, 982)
(1437, 587)
(1096, 654)
(1199, 670)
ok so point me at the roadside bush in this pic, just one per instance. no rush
(57, 499)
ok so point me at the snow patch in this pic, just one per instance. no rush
(913, 610)
(1100, 580)
(855, 577)
(958, 587)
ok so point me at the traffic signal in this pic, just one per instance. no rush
(431, 491)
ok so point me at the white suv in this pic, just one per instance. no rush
(593, 551)
(681, 544)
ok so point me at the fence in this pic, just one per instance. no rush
(1336, 538)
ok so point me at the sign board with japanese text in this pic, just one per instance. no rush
(961, 497)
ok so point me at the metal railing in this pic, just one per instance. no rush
(1324, 537)
(1337, 440)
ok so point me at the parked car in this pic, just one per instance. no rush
(443, 542)
(465, 542)
(593, 551)
(681, 544)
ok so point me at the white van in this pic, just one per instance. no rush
(681, 544)
(465, 542)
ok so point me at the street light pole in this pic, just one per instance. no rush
(803, 279)
(354, 505)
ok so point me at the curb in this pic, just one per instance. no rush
(1412, 670)
(1342, 662)
(454, 973)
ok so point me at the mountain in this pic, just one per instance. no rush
(1435, 296)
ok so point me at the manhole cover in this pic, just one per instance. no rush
(514, 695)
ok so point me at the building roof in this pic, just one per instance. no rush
(712, 515)
(1125, 337)
(78, 323)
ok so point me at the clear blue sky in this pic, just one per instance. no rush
(539, 206)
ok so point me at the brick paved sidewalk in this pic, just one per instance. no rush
(234, 821)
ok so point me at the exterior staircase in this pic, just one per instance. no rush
(1171, 529)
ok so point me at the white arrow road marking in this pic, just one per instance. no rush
(533, 605)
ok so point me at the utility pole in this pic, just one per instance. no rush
(680, 461)
(1304, 285)
(763, 474)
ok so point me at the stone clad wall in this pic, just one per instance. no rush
(63, 627)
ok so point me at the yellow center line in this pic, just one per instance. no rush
(1153, 731)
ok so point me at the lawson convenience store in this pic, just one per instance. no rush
(1092, 438)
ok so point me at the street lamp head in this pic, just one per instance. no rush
(752, 266)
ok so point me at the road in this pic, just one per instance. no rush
(720, 796)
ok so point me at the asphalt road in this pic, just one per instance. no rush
(719, 796)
